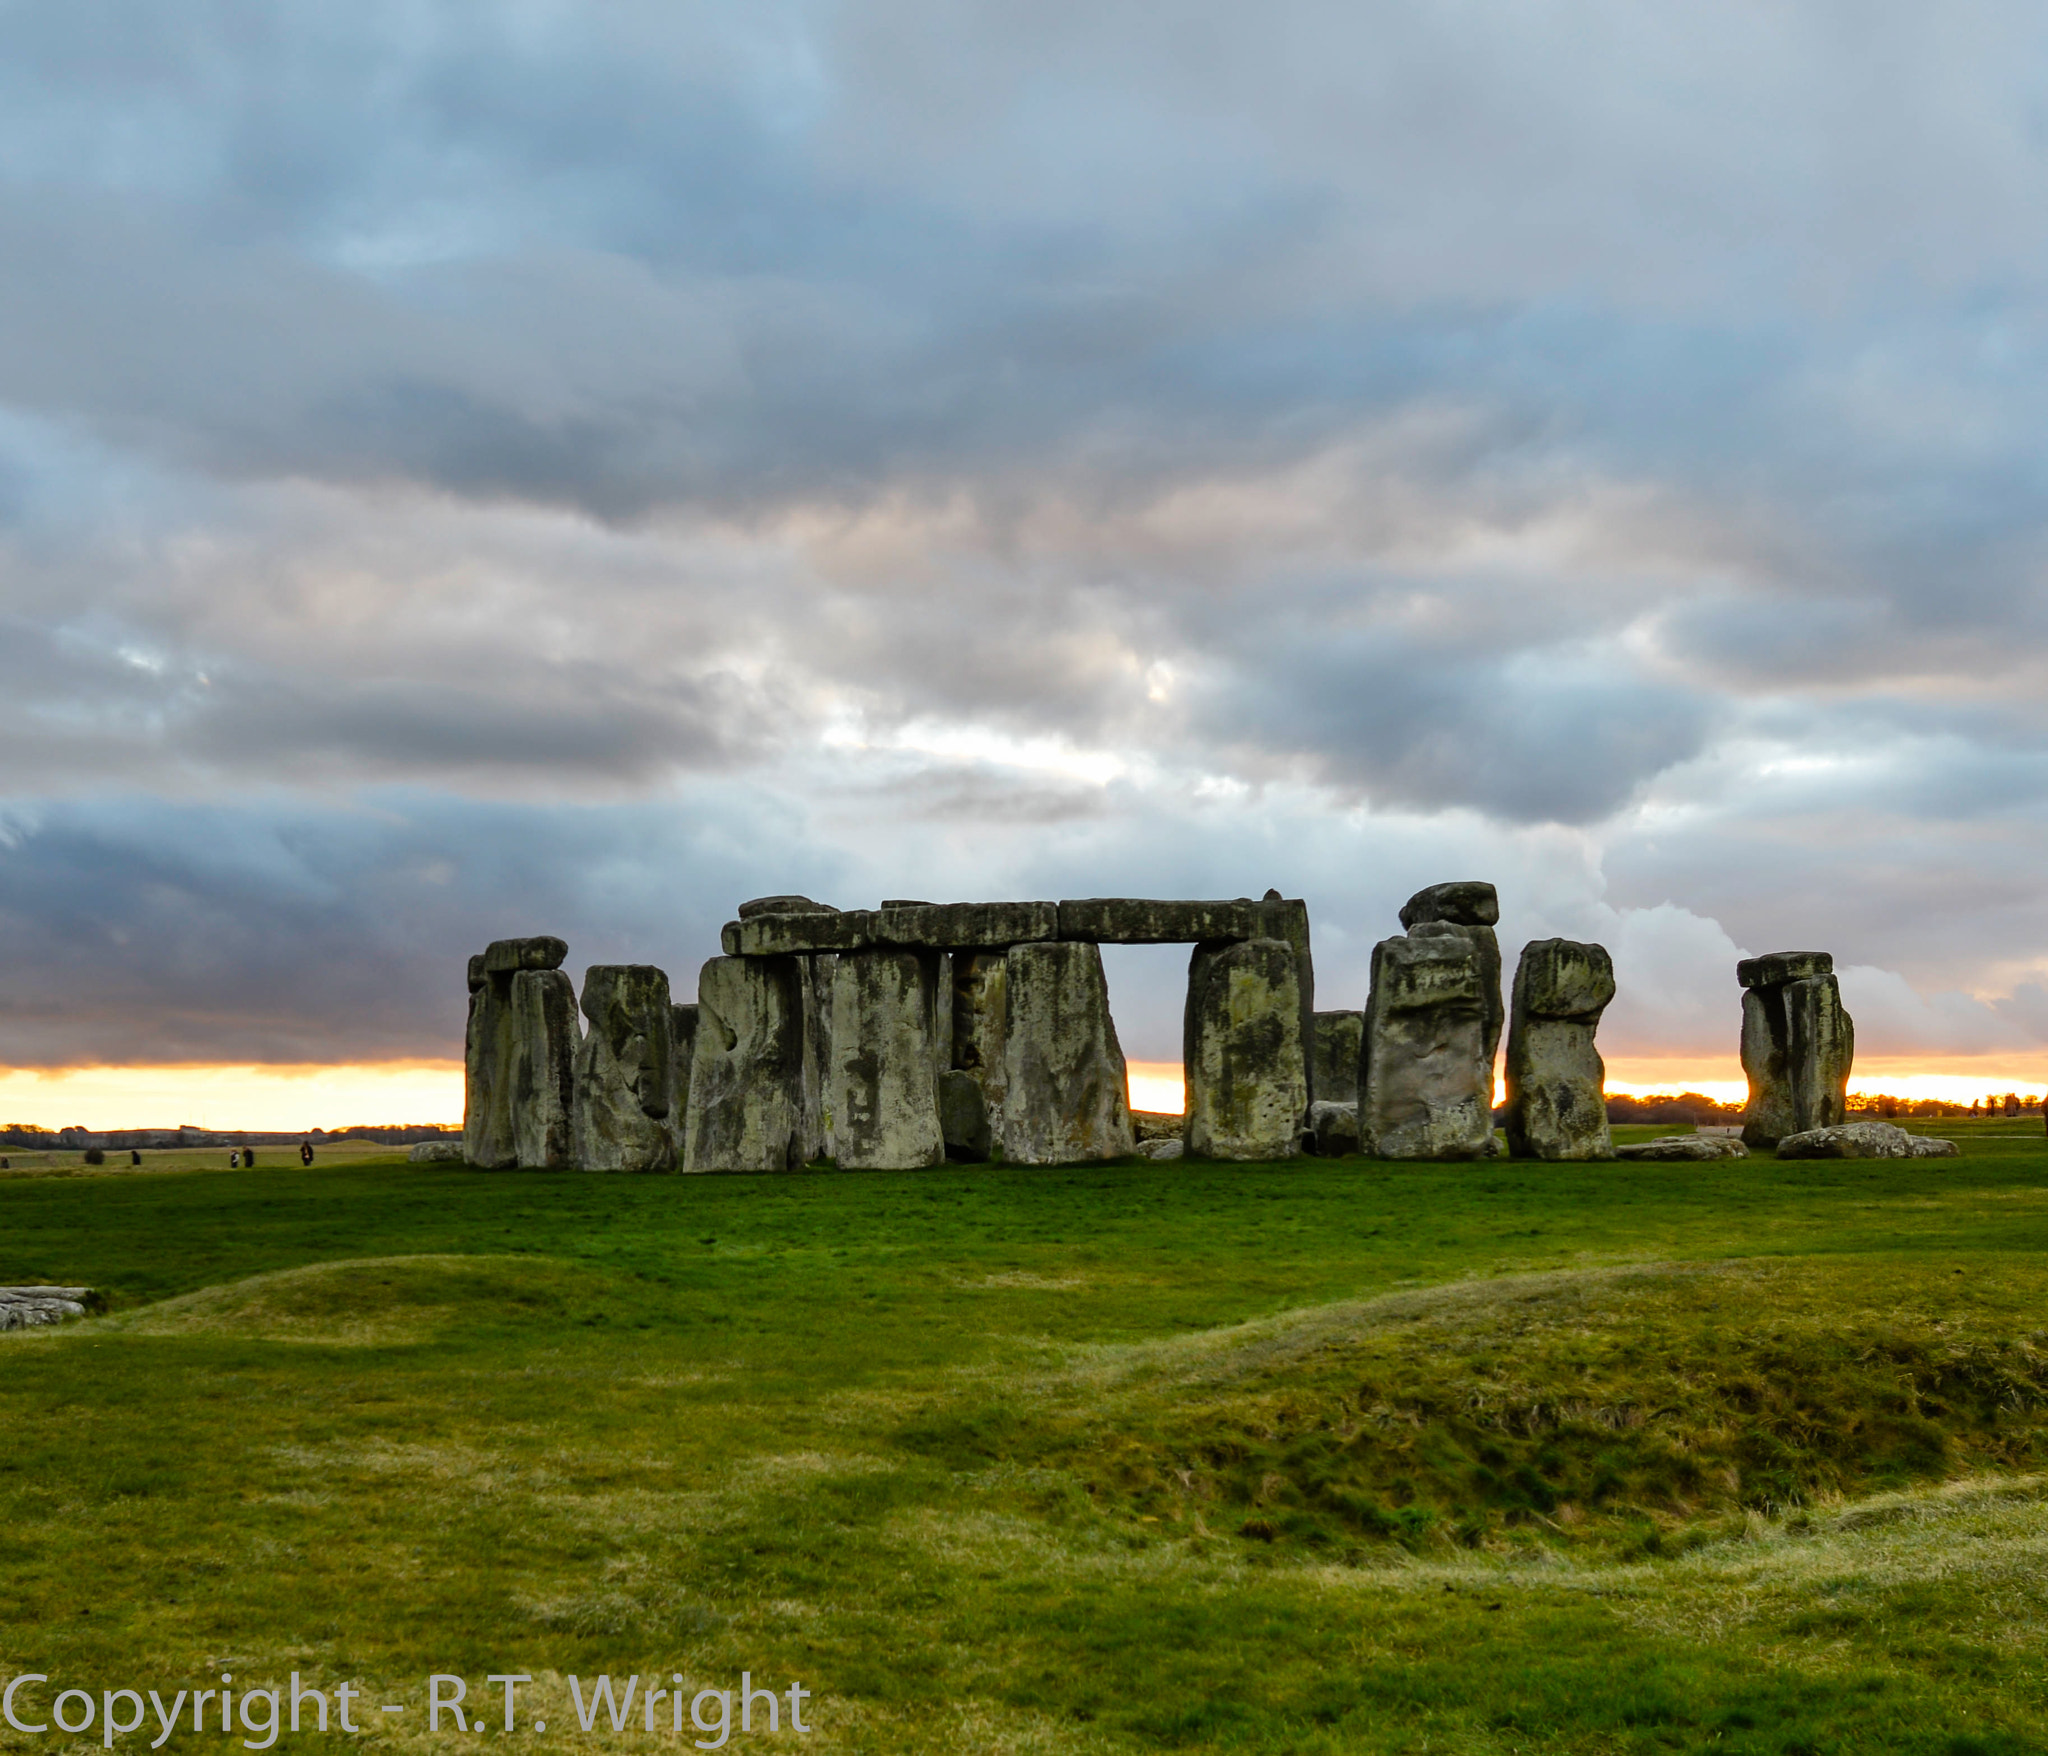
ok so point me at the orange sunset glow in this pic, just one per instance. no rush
(304, 1097)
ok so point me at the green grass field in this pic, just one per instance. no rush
(1333, 1456)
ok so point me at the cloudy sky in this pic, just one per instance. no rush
(470, 470)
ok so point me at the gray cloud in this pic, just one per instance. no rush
(704, 452)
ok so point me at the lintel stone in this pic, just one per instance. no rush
(1774, 967)
(1131, 920)
(502, 956)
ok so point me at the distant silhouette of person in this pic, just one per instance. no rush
(134, 1157)
(305, 1152)
(235, 1159)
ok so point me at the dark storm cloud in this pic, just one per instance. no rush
(1030, 442)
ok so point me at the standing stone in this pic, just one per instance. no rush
(746, 1109)
(1557, 1100)
(625, 1070)
(1247, 1078)
(963, 1118)
(514, 1055)
(884, 1075)
(1425, 1075)
(1472, 907)
(978, 990)
(1067, 1098)
(1286, 918)
(1798, 1045)
(1335, 1076)
(682, 1043)
(545, 1040)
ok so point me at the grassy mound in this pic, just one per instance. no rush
(1638, 1409)
(381, 1301)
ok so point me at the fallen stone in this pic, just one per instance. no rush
(885, 1102)
(1159, 1150)
(1556, 1097)
(1332, 1128)
(963, 1118)
(1334, 1077)
(745, 1111)
(1798, 1047)
(1247, 1075)
(435, 1152)
(1863, 1140)
(38, 1307)
(1130, 920)
(1067, 1100)
(1466, 902)
(1157, 1125)
(1775, 967)
(1676, 1147)
(1425, 1074)
(625, 1070)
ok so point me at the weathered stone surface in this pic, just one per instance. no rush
(978, 1001)
(1863, 1140)
(545, 1038)
(1798, 1047)
(745, 1111)
(884, 1079)
(1286, 918)
(945, 926)
(1157, 1125)
(966, 926)
(435, 1152)
(963, 1118)
(818, 1128)
(1486, 943)
(36, 1307)
(1247, 1076)
(1557, 1101)
(625, 1070)
(784, 905)
(1468, 902)
(476, 970)
(1067, 1099)
(1334, 1074)
(503, 956)
(1425, 1076)
(1160, 1150)
(1775, 967)
(682, 1047)
(1681, 1147)
(519, 1057)
(1131, 920)
(1332, 1128)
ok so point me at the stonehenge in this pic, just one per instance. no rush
(1430, 1030)
(884, 1075)
(625, 1071)
(918, 1033)
(1067, 1095)
(1797, 1045)
(1334, 1073)
(519, 1057)
(746, 1109)
(1246, 1068)
(1557, 1102)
